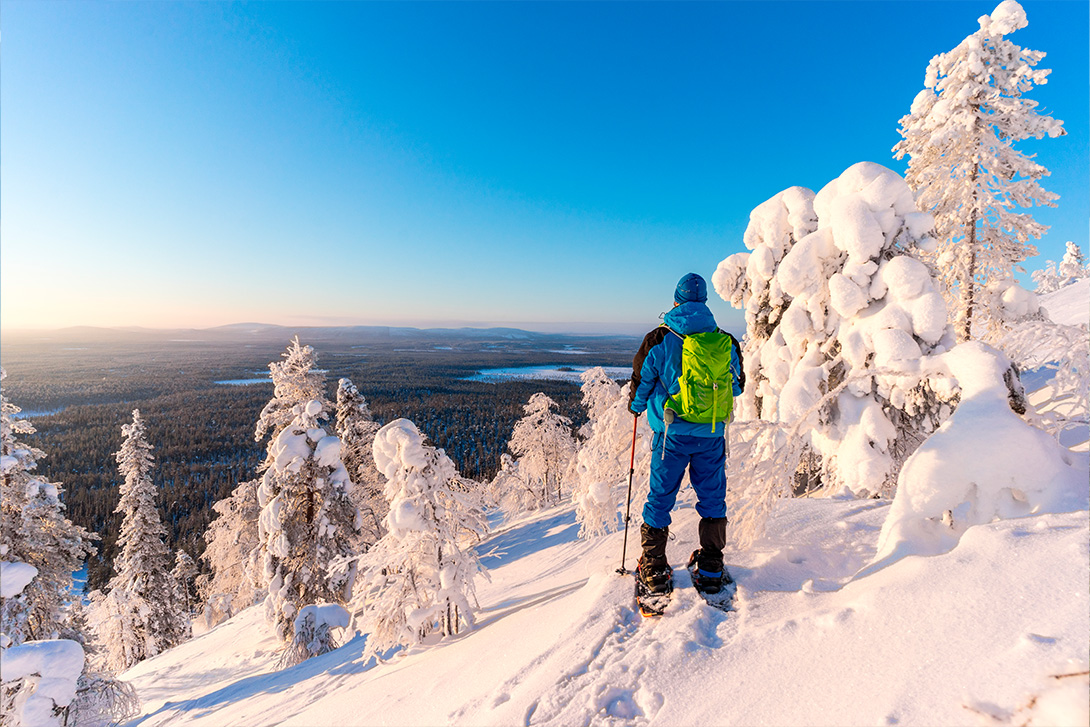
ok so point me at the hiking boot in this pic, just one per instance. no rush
(655, 576)
(707, 571)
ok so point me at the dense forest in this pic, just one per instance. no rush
(79, 387)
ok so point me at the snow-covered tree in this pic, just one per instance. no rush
(185, 597)
(1073, 266)
(1047, 279)
(544, 445)
(600, 468)
(231, 552)
(959, 138)
(234, 550)
(35, 531)
(295, 381)
(746, 281)
(307, 520)
(356, 428)
(138, 617)
(861, 312)
(419, 577)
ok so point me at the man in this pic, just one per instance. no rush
(678, 444)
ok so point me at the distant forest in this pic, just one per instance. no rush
(79, 387)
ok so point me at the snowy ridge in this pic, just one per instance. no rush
(558, 641)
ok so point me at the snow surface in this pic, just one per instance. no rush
(950, 639)
(1068, 305)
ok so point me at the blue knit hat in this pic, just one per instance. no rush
(691, 289)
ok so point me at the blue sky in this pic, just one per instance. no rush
(195, 164)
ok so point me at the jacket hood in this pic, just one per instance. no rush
(689, 318)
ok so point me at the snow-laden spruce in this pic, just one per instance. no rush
(419, 577)
(959, 138)
(543, 445)
(839, 363)
(356, 428)
(599, 471)
(295, 381)
(137, 616)
(307, 520)
(236, 551)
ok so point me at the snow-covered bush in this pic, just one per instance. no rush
(963, 166)
(855, 313)
(599, 473)
(313, 632)
(356, 428)
(985, 462)
(307, 521)
(544, 445)
(137, 617)
(419, 577)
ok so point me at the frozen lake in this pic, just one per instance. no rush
(551, 373)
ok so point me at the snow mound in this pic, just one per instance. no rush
(984, 463)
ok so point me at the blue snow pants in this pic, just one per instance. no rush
(705, 457)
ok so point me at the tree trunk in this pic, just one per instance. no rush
(968, 285)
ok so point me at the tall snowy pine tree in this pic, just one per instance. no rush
(138, 617)
(963, 167)
(307, 522)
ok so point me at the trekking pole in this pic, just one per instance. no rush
(628, 506)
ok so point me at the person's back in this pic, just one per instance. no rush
(679, 444)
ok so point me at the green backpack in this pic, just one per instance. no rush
(705, 389)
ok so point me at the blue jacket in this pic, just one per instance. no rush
(657, 366)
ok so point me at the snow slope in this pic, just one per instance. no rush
(1069, 305)
(981, 630)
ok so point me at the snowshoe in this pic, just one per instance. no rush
(712, 581)
(654, 583)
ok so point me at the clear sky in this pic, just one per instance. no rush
(199, 163)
